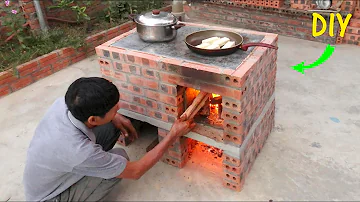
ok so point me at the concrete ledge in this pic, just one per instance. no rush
(228, 149)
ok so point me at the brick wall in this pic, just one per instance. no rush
(48, 64)
(30, 13)
(95, 7)
(286, 22)
(352, 34)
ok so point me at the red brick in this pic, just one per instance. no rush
(150, 103)
(235, 162)
(67, 52)
(143, 59)
(7, 77)
(119, 76)
(207, 87)
(127, 68)
(352, 30)
(96, 37)
(236, 179)
(43, 72)
(174, 162)
(233, 186)
(27, 68)
(168, 89)
(129, 88)
(60, 65)
(149, 73)
(171, 100)
(105, 63)
(4, 90)
(176, 111)
(105, 72)
(160, 115)
(132, 107)
(146, 83)
(354, 22)
(233, 116)
(116, 55)
(180, 156)
(232, 127)
(232, 104)
(114, 30)
(78, 58)
(21, 83)
(44, 59)
(233, 139)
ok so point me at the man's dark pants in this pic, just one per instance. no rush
(94, 188)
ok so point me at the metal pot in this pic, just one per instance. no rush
(156, 26)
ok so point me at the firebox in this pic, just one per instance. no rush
(159, 81)
(210, 114)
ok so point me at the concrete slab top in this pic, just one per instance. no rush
(177, 48)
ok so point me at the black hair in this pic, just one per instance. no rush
(92, 96)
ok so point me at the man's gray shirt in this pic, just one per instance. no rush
(62, 151)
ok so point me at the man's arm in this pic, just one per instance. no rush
(136, 169)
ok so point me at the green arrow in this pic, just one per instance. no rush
(326, 55)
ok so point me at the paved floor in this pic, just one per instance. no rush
(312, 154)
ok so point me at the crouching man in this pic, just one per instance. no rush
(71, 156)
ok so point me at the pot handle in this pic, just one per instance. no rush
(178, 26)
(132, 17)
(245, 47)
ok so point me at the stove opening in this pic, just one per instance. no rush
(206, 157)
(210, 114)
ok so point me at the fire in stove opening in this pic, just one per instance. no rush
(211, 113)
(205, 156)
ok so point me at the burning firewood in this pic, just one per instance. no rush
(197, 104)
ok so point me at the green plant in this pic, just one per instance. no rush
(74, 6)
(12, 55)
(120, 9)
(13, 19)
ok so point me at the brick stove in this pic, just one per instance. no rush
(157, 81)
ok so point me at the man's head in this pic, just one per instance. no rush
(93, 100)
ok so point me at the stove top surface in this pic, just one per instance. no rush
(178, 49)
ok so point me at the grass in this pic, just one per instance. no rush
(12, 55)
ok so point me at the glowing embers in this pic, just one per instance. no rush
(206, 158)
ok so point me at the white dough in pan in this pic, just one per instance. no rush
(213, 46)
(229, 44)
(203, 45)
(210, 40)
(221, 41)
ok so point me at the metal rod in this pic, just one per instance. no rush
(39, 13)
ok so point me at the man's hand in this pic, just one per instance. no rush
(134, 170)
(182, 126)
(125, 126)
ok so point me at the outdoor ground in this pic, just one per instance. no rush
(312, 153)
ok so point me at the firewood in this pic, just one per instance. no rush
(195, 103)
(199, 106)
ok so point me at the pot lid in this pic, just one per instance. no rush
(156, 17)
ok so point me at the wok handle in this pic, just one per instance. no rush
(132, 17)
(178, 26)
(246, 46)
